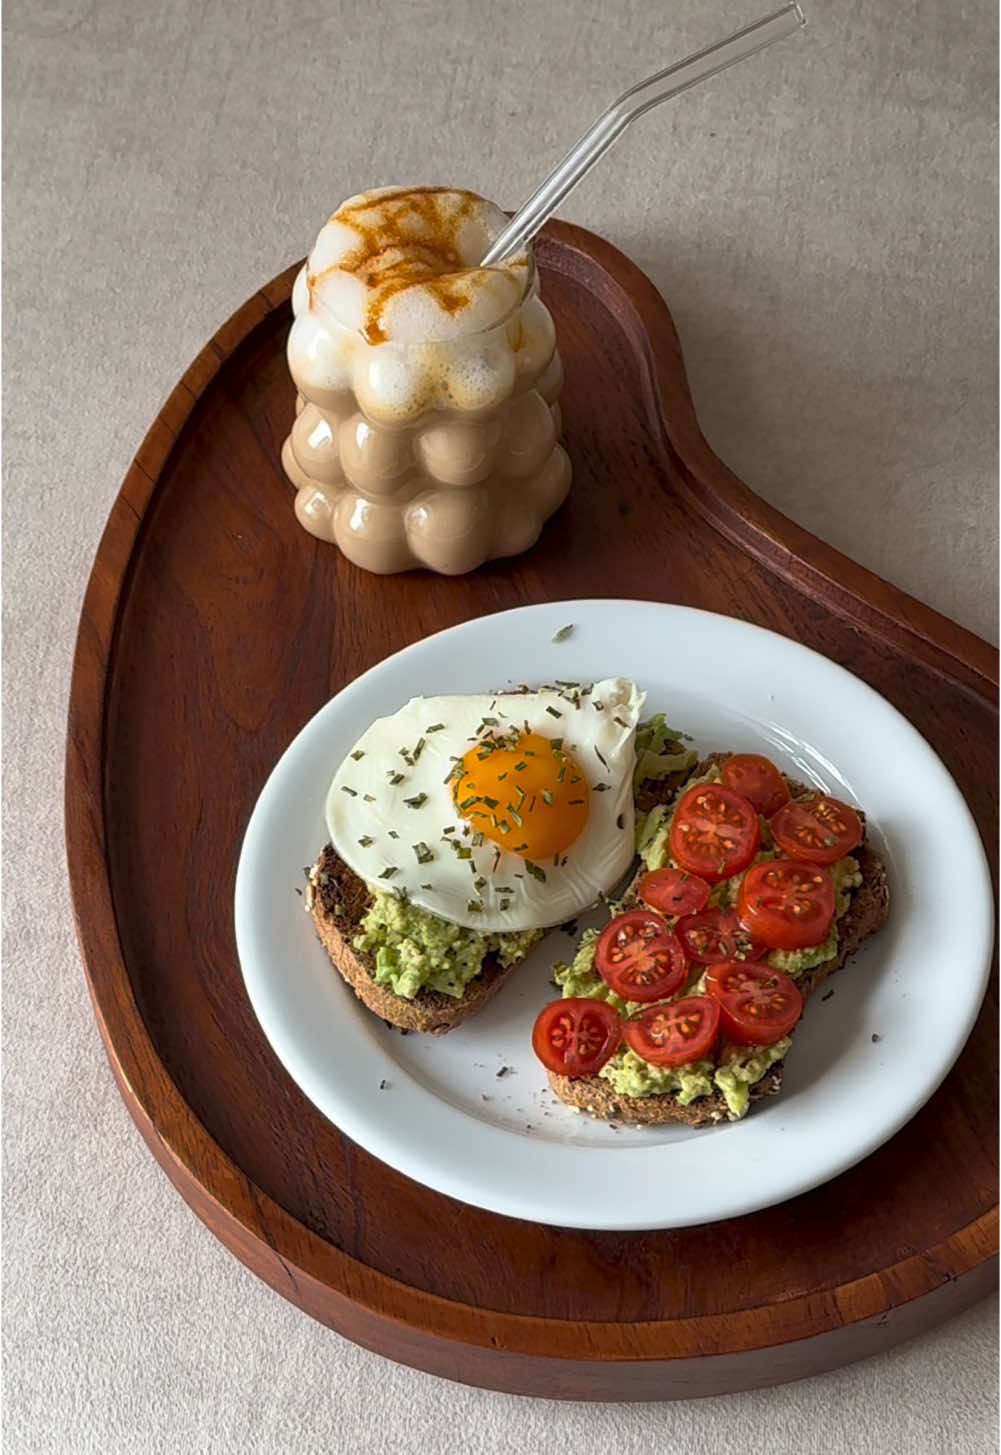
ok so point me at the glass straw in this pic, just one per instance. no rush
(632, 103)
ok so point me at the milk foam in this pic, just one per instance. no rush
(392, 306)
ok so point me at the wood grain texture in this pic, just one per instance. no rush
(214, 627)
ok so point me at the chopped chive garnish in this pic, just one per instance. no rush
(427, 886)
(435, 727)
(366, 841)
(519, 767)
(467, 803)
(395, 778)
(358, 754)
(573, 802)
(516, 816)
(620, 720)
(479, 883)
(389, 872)
(462, 852)
(368, 797)
(556, 744)
(535, 871)
(416, 801)
(473, 907)
(563, 633)
(562, 773)
(547, 797)
(598, 706)
(424, 854)
(554, 712)
(601, 757)
(393, 834)
(602, 787)
(418, 750)
(505, 904)
(346, 789)
(490, 802)
(501, 776)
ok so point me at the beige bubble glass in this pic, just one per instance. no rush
(451, 477)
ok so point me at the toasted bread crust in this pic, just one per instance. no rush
(338, 902)
(867, 911)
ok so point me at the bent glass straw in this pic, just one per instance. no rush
(612, 123)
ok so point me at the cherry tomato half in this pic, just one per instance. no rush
(675, 1033)
(640, 957)
(757, 779)
(716, 935)
(714, 832)
(819, 829)
(758, 1006)
(576, 1036)
(674, 891)
(786, 904)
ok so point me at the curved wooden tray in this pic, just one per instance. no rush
(214, 627)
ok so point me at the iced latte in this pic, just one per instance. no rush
(427, 414)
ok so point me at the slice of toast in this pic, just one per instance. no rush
(338, 901)
(865, 914)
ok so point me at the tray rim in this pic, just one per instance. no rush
(271, 1242)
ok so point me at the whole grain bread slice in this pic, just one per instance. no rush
(338, 901)
(866, 912)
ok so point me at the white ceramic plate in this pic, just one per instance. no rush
(439, 1109)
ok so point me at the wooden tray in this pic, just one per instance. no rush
(214, 627)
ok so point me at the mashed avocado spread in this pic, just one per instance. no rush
(660, 751)
(415, 950)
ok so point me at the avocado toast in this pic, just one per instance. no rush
(719, 1085)
(420, 971)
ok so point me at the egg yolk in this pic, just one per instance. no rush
(525, 793)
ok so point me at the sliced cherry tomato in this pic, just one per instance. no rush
(757, 779)
(787, 904)
(675, 1033)
(714, 832)
(639, 956)
(717, 935)
(674, 891)
(758, 1006)
(819, 829)
(576, 1036)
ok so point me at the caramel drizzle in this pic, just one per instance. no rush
(432, 261)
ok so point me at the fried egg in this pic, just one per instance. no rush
(508, 811)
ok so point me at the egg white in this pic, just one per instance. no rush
(374, 829)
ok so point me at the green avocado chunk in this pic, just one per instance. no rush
(415, 950)
(660, 751)
(741, 1067)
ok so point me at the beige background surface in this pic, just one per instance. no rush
(821, 222)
